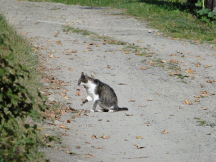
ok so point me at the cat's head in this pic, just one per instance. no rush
(84, 78)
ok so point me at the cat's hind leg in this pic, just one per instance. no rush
(95, 106)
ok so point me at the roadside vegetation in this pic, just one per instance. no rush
(174, 18)
(20, 101)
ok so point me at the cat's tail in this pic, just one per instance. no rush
(121, 109)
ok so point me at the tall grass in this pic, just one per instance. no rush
(172, 17)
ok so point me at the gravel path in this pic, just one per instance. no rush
(169, 118)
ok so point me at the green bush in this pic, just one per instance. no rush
(15, 100)
(19, 98)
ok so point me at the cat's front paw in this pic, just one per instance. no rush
(111, 111)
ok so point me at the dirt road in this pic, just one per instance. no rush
(168, 85)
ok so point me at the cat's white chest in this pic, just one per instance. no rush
(91, 91)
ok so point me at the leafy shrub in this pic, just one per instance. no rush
(206, 15)
(203, 13)
(15, 99)
(19, 98)
(19, 141)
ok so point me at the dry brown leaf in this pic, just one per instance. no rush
(204, 94)
(198, 64)
(165, 131)
(187, 102)
(77, 93)
(143, 68)
(68, 121)
(149, 99)
(204, 108)
(97, 147)
(174, 61)
(58, 42)
(189, 71)
(128, 114)
(207, 66)
(94, 137)
(211, 81)
(69, 52)
(132, 100)
(197, 100)
(89, 156)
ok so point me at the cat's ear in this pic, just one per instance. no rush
(82, 74)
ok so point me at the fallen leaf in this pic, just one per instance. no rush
(63, 126)
(198, 64)
(94, 137)
(187, 102)
(97, 147)
(204, 108)
(77, 93)
(105, 137)
(204, 94)
(69, 52)
(143, 68)
(68, 121)
(189, 71)
(58, 42)
(128, 114)
(211, 81)
(139, 137)
(164, 131)
(197, 100)
(149, 100)
(139, 147)
(174, 61)
(89, 156)
(207, 66)
(131, 100)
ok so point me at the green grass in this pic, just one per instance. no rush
(171, 17)
(106, 39)
(19, 98)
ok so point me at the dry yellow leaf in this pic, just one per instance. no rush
(139, 137)
(105, 137)
(187, 102)
(63, 126)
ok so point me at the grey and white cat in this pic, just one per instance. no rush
(100, 93)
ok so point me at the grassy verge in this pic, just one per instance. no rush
(19, 98)
(171, 17)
